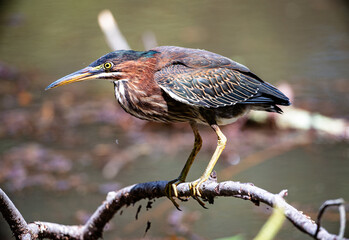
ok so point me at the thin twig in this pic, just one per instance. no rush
(336, 202)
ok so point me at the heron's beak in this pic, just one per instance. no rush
(81, 75)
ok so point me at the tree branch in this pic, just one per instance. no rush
(13, 217)
(93, 229)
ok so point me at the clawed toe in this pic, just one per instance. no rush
(195, 192)
(171, 191)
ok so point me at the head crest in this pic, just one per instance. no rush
(123, 55)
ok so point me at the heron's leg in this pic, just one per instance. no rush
(222, 140)
(172, 185)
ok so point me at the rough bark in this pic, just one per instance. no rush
(93, 229)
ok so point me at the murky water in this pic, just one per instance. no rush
(303, 43)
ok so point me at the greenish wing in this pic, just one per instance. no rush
(207, 87)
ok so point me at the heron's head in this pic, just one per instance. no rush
(112, 66)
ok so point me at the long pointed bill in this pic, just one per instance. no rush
(81, 75)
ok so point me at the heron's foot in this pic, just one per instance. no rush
(195, 192)
(171, 191)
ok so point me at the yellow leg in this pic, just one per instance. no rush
(172, 185)
(222, 140)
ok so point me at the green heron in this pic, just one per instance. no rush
(175, 84)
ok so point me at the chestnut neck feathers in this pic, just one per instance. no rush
(137, 92)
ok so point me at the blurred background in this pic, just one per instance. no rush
(62, 150)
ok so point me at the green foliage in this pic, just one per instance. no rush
(236, 237)
(272, 226)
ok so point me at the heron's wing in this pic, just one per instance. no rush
(207, 79)
(212, 87)
(195, 58)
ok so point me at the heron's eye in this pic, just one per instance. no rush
(108, 65)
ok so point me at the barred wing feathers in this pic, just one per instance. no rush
(216, 87)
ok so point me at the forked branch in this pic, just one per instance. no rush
(93, 229)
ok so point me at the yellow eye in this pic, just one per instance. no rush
(108, 65)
